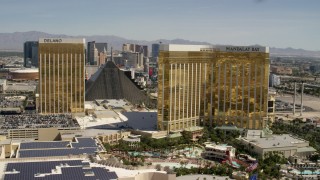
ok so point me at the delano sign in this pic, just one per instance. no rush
(61, 40)
(52, 40)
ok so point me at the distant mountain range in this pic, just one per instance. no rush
(14, 42)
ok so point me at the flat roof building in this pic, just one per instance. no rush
(206, 85)
(218, 151)
(262, 143)
(24, 74)
(58, 148)
(62, 76)
(55, 169)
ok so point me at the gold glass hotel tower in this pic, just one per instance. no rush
(61, 68)
(212, 85)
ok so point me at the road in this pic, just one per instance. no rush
(308, 101)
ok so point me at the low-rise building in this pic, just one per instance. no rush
(24, 74)
(271, 105)
(150, 176)
(151, 134)
(72, 168)
(8, 147)
(281, 70)
(218, 152)
(3, 85)
(195, 132)
(262, 142)
(113, 138)
(105, 114)
(239, 175)
(79, 146)
(274, 80)
(132, 141)
(41, 134)
(24, 88)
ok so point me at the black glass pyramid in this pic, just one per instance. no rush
(111, 83)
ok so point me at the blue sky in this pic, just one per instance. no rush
(274, 23)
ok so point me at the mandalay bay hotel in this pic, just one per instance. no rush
(61, 80)
(212, 85)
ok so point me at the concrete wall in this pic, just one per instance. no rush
(158, 134)
(114, 138)
(287, 151)
(151, 176)
(49, 134)
(9, 149)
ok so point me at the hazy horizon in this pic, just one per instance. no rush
(281, 24)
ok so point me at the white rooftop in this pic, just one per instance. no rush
(26, 71)
(106, 114)
(283, 140)
(114, 102)
(91, 133)
(202, 176)
(125, 172)
(93, 105)
(89, 121)
(222, 147)
(20, 87)
(2, 81)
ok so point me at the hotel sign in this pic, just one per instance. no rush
(52, 40)
(244, 49)
(61, 40)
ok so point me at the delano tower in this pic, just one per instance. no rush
(61, 68)
(206, 85)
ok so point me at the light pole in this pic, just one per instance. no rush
(126, 66)
(301, 108)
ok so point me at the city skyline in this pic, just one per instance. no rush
(269, 23)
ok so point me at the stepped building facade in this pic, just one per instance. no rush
(207, 85)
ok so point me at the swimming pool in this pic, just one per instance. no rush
(306, 172)
(234, 163)
(191, 152)
(149, 154)
(176, 165)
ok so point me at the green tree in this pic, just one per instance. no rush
(158, 167)
(270, 165)
(187, 137)
(107, 147)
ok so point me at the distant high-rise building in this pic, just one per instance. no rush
(155, 50)
(206, 85)
(133, 60)
(96, 52)
(128, 47)
(136, 48)
(136, 56)
(274, 80)
(30, 50)
(62, 77)
(144, 49)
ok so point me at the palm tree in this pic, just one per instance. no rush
(196, 153)
(158, 167)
